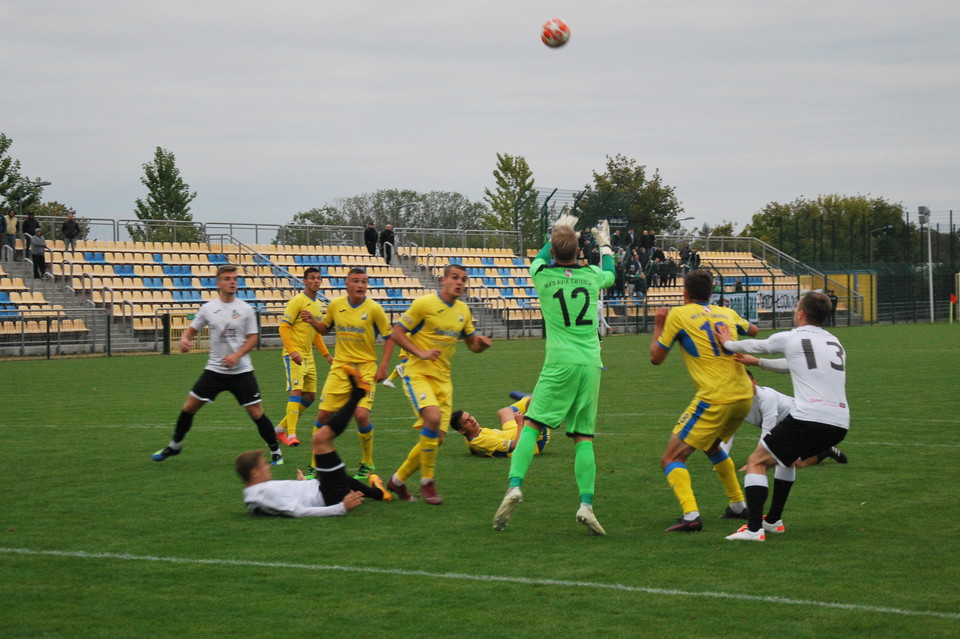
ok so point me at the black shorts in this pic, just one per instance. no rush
(243, 386)
(794, 439)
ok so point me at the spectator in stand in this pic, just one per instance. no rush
(631, 240)
(387, 243)
(834, 300)
(670, 272)
(620, 276)
(684, 257)
(645, 240)
(694, 261)
(738, 286)
(651, 239)
(29, 229)
(70, 230)
(370, 237)
(37, 247)
(586, 244)
(615, 240)
(11, 227)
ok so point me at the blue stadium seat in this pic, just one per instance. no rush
(158, 258)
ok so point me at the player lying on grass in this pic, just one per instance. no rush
(329, 492)
(769, 407)
(490, 442)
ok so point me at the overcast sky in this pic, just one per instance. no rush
(272, 108)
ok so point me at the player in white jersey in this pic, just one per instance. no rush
(769, 407)
(233, 333)
(819, 418)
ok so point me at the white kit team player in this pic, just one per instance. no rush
(820, 416)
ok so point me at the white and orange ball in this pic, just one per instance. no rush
(555, 32)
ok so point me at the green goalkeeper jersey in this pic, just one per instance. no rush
(568, 301)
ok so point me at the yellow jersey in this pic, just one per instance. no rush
(718, 378)
(298, 335)
(357, 328)
(432, 323)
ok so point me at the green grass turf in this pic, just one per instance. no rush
(98, 540)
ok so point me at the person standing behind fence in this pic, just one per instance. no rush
(29, 229)
(370, 237)
(11, 226)
(70, 230)
(37, 247)
(387, 243)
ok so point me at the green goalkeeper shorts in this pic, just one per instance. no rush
(567, 393)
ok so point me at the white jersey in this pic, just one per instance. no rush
(289, 498)
(769, 407)
(817, 364)
(230, 323)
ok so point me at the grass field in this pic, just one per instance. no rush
(98, 540)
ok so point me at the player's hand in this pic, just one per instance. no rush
(722, 331)
(381, 374)
(300, 475)
(747, 360)
(295, 356)
(353, 499)
(185, 345)
(660, 317)
(329, 358)
(306, 316)
(231, 360)
(485, 343)
(433, 354)
(440, 437)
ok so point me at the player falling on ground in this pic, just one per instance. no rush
(299, 367)
(233, 333)
(491, 442)
(723, 398)
(331, 492)
(820, 416)
(569, 383)
(428, 332)
(358, 321)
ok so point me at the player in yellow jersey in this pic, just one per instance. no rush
(299, 337)
(724, 394)
(428, 331)
(358, 321)
(493, 442)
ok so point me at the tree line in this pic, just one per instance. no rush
(830, 228)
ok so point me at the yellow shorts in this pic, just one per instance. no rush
(301, 377)
(703, 423)
(429, 391)
(337, 388)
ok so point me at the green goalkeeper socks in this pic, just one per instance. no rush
(523, 454)
(585, 468)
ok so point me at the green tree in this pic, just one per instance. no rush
(59, 212)
(403, 208)
(19, 192)
(513, 203)
(168, 200)
(624, 190)
(837, 228)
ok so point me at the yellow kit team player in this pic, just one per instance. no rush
(299, 337)
(493, 442)
(724, 394)
(428, 331)
(357, 321)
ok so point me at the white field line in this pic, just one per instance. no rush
(669, 592)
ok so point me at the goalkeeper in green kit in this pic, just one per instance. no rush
(569, 383)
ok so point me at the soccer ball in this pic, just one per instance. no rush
(555, 32)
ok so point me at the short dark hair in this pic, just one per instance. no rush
(698, 285)
(455, 420)
(246, 462)
(226, 268)
(816, 306)
(309, 270)
(357, 270)
(451, 266)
